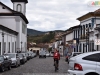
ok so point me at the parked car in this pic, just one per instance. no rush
(15, 59)
(25, 56)
(33, 55)
(42, 54)
(4, 63)
(85, 64)
(22, 59)
(47, 54)
(51, 54)
(30, 54)
(72, 55)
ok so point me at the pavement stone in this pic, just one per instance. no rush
(39, 66)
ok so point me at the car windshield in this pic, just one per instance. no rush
(42, 52)
(1, 58)
(20, 55)
(11, 55)
(47, 52)
(76, 54)
(23, 54)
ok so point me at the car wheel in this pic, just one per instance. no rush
(2, 69)
(91, 74)
(19, 64)
(9, 67)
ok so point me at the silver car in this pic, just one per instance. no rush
(15, 59)
(25, 56)
(22, 59)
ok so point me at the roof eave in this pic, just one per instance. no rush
(86, 15)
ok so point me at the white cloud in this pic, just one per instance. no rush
(46, 15)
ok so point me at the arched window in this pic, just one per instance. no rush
(19, 7)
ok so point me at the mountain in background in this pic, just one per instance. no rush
(32, 32)
(42, 37)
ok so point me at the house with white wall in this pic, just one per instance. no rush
(72, 34)
(90, 31)
(13, 27)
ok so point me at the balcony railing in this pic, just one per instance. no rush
(82, 37)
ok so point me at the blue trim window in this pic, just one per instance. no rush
(84, 30)
(86, 25)
(74, 34)
(80, 47)
(92, 21)
(90, 25)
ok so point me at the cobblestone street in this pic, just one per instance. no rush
(38, 65)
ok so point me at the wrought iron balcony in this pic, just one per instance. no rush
(82, 37)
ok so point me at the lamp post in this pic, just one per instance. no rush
(2, 44)
(21, 46)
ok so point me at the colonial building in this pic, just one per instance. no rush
(70, 39)
(13, 27)
(90, 31)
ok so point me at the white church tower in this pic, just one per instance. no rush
(19, 5)
(21, 25)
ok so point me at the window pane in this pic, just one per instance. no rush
(93, 57)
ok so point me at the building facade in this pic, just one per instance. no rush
(13, 27)
(89, 31)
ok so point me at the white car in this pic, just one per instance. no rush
(85, 64)
(47, 54)
(14, 58)
(42, 54)
(73, 54)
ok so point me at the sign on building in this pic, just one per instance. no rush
(74, 41)
(97, 41)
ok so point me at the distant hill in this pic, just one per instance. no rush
(41, 38)
(33, 32)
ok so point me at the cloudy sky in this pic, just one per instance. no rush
(46, 15)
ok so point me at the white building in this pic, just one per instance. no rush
(68, 38)
(88, 24)
(13, 27)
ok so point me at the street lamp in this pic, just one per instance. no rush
(2, 43)
(21, 46)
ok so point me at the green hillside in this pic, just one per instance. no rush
(33, 32)
(41, 38)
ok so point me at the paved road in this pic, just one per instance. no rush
(38, 66)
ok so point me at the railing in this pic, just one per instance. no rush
(82, 37)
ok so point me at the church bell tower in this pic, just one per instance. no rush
(20, 5)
